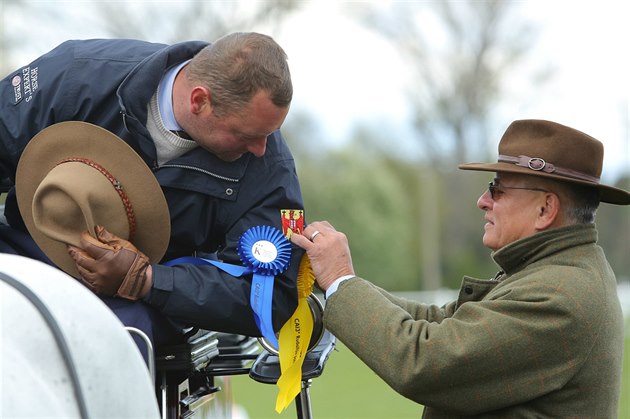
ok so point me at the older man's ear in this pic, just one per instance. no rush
(549, 213)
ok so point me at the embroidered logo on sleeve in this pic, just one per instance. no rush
(25, 84)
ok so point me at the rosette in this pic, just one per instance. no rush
(265, 250)
(267, 253)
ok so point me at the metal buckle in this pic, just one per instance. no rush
(536, 163)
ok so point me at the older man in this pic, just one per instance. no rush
(543, 338)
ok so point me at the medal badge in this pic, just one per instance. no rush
(292, 222)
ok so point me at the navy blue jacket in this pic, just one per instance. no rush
(109, 83)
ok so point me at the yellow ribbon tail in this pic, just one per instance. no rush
(293, 343)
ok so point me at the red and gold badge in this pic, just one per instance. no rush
(292, 222)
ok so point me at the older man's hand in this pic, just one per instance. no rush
(112, 266)
(328, 251)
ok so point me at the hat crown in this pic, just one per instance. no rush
(562, 146)
(74, 197)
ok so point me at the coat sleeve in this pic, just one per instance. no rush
(418, 311)
(489, 354)
(32, 98)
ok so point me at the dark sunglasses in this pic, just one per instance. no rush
(495, 190)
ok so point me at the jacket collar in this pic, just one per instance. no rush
(136, 90)
(515, 256)
(141, 83)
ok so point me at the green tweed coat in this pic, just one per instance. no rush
(543, 339)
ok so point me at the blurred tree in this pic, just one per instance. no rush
(8, 40)
(613, 223)
(205, 20)
(365, 194)
(151, 20)
(460, 54)
(304, 135)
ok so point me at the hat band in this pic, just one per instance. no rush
(131, 218)
(540, 165)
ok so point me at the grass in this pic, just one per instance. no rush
(348, 389)
(624, 403)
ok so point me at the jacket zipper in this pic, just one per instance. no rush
(179, 166)
(214, 175)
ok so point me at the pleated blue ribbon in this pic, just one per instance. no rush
(265, 252)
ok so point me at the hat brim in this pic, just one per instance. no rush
(608, 194)
(81, 139)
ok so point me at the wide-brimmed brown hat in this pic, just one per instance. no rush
(543, 148)
(73, 176)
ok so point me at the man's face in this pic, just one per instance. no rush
(511, 214)
(231, 136)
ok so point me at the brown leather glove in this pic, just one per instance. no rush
(111, 266)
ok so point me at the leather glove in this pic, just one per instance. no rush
(111, 266)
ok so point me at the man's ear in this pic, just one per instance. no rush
(549, 214)
(200, 99)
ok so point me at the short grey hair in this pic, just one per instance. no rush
(579, 202)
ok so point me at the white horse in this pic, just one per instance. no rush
(63, 352)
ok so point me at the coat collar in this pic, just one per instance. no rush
(515, 256)
(141, 83)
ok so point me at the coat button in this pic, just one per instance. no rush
(468, 289)
(229, 191)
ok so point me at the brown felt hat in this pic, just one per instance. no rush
(548, 149)
(73, 176)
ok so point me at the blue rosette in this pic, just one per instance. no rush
(265, 252)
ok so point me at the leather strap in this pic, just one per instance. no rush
(540, 165)
(131, 218)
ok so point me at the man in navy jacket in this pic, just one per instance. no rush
(205, 118)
